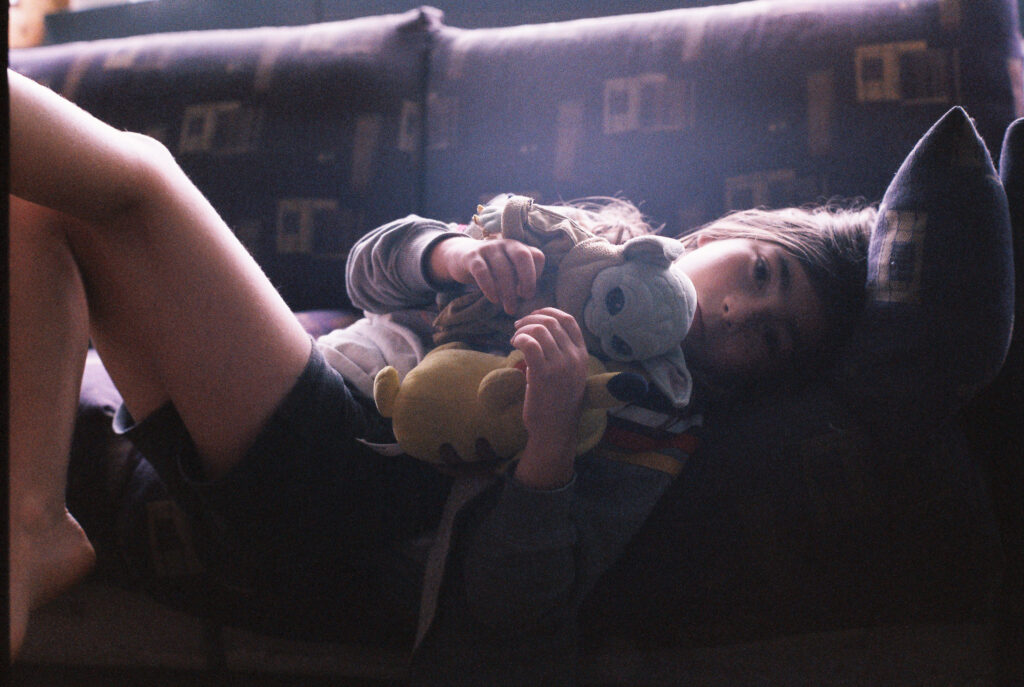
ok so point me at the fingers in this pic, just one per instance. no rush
(528, 264)
(506, 271)
(554, 328)
(556, 371)
(550, 338)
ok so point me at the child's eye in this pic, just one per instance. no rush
(762, 271)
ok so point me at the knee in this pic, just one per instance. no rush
(152, 163)
(149, 149)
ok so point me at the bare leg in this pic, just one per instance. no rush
(48, 341)
(176, 307)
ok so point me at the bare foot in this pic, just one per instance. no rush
(47, 557)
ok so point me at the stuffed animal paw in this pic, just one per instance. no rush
(488, 217)
(459, 405)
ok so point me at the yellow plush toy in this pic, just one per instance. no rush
(460, 406)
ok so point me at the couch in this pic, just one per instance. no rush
(865, 530)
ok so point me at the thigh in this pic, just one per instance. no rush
(178, 309)
(183, 315)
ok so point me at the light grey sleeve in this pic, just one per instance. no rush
(385, 269)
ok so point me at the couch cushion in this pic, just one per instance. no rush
(1011, 171)
(940, 286)
(801, 526)
(695, 111)
(303, 138)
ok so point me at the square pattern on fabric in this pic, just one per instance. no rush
(940, 285)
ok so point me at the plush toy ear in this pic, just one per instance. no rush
(655, 250)
(670, 374)
(385, 390)
(501, 389)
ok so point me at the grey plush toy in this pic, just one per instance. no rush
(631, 301)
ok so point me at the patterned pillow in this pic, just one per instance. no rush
(1011, 170)
(940, 285)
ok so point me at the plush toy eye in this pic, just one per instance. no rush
(621, 348)
(614, 301)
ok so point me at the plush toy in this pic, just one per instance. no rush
(459, 405)
(630, 300)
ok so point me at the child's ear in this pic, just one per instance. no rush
(703, 238)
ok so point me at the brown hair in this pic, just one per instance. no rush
(616, 219)
(830, 241)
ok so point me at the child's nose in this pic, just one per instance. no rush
(740, 312)
(733, 312)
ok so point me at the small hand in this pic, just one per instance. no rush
(556, 372)
(506, 271)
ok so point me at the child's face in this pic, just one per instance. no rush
(756, 310)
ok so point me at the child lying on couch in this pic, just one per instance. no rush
(258, 437)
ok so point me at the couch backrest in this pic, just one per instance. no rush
(306, 137)
(692, 112)
(303, 138)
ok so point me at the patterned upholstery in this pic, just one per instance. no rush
(696, 111)
(303, 138)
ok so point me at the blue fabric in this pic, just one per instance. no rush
(940, 286)
(303, 138)
(696, 111)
